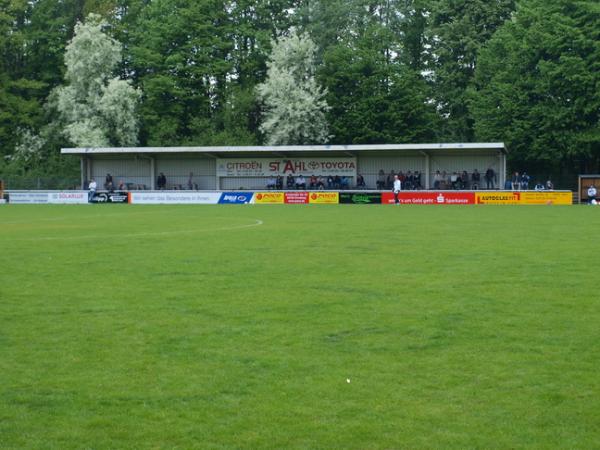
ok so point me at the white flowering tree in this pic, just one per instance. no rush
(98, 109)
(294, 104)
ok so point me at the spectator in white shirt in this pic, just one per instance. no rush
(397, 188)
(592, 192)
(92, 190)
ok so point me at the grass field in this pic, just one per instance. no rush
(240, 327)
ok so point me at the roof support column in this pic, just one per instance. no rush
(502, 178)
(82, 171)
(427, 169)
(152, 173)
(88, 168)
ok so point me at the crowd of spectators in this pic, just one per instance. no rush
(440, 180)
(315, 182)
(409, 180)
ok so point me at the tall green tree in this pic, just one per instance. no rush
(377, 92)
(538, 85)
(373, 101)
(294, 103)
(180, 58)
(458, 30)
(20, 102)
(97, 108)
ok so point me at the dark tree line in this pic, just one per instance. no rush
(395, 71)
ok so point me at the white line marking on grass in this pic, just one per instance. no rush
(257, 223)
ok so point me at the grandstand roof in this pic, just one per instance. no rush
(225, 151)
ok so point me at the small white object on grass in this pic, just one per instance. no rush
(347, 380)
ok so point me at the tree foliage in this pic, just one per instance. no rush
(538, 84)
(458, 30)
(97, 108)
(295, 105)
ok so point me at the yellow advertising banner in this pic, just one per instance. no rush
(324, 197)
(269, 197)
(497, 198)
(546, 198)
(524, 198)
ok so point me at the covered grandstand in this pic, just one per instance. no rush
(249, 167)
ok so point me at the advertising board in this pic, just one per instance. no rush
(322, 198)
(361, 198)
(110, 197)
(235, 198)
(269, 197)
(524, 198)
(175, 198)
(498, 198)
(46, 197)
(547, 198)
(296, 198)
(264, 167)
(430, 198)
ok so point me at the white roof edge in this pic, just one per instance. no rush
(285, 148)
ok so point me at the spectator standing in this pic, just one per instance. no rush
(390, 179)
(92, 190)
(360, 181)
(417, 178)
(190, 182)
(279, 182)
(161, 181)
(337, 182)
(525, 179)
(300, 182)
(549, 185)
(396, 189)
(445, 180)
(330, 182)
(381, 180)
(464, 179)
(454, 180)
(437, 180)
(475, 179)
(313, 182)
(289, 182)
(489, 176)
(591, 192)
(516, 182)
(408, 180)
(108, 182)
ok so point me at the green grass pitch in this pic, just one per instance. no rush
(299, 327)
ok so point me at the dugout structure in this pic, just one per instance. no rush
(249, 167)
(585, 181)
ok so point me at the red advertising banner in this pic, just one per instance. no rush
(430, 198)
(296, 198)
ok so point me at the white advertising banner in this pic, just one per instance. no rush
(75, 197)
(66, 197)
(265, 167)
(195, 198)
